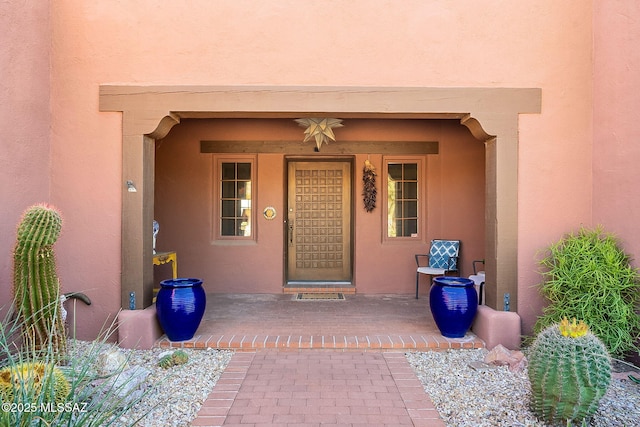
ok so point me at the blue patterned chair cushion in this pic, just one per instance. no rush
(444, 254)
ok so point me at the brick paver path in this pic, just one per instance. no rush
(318, 388)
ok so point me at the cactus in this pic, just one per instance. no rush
(166, 361)
(180, 357)
(26, 381)
(36, 286)
(569, 370)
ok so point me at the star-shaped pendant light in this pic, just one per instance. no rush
(319, 128)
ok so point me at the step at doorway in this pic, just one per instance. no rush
(294, 287)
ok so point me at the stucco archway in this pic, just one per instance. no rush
(491, 114)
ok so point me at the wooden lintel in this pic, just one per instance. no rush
(341, 147)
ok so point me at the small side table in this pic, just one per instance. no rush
(165, 257)
(160, 258)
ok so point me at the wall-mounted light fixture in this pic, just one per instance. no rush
(320, 129)
(131, 188)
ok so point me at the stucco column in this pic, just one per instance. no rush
(506, 219)
(501, 205)
(138, 161)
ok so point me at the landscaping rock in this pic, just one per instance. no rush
(121, 389)
(110, 361)
(500, 356)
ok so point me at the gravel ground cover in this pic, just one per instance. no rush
(175, 394)
(499, 397)
(463, 396)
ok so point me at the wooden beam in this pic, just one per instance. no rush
(342, 147)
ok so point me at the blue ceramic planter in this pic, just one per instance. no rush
(454, 303)
(180, 305)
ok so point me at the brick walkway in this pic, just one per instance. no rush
(312, 363)
(318, 388)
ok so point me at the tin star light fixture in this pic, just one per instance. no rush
(321, 129)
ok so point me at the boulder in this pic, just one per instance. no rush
(110, 361)
(121, 389)
(501, 356)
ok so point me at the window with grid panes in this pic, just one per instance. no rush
(235, 198)
(402, 198)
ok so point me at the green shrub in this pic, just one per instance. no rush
(588, 276)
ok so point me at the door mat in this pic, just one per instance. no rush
(319, 296)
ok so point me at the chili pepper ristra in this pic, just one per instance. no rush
(369, 189)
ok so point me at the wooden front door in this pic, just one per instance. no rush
(319, 221)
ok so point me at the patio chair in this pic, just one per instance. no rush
(443, 258)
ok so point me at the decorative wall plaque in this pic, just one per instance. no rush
(269, 212)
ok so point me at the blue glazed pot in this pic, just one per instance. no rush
(454, 303)
(180, 305)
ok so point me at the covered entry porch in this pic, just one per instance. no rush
(491, 114)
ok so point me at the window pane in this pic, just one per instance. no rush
(410, 171)
(243, 190)
(228, 227)
(228, 208)
(399, 212)
(410, 190)
(398, 228)
(411, 227)
(228, 171)
(395, 171)
(228, 189)
(399, 190)
(244, 171)
(410, 209)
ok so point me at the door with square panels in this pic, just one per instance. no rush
(318, 228)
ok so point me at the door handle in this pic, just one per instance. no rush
(290, 233)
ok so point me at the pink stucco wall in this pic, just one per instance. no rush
(616, 144)
(575, 158)
(24, 122)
